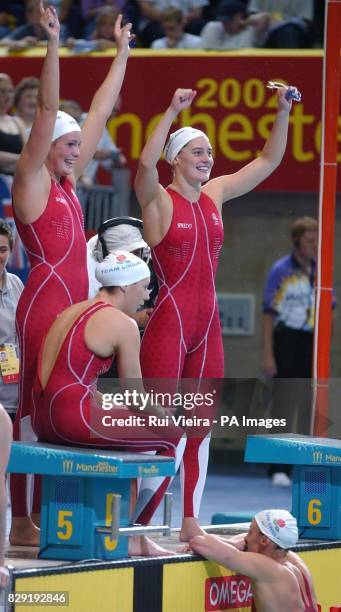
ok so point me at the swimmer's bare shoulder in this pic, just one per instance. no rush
(276, 588)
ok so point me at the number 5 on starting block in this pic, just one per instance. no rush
(66, 515)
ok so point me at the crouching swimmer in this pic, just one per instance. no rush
(78, 347)
(280, 580)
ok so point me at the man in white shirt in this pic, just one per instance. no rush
(233, 28)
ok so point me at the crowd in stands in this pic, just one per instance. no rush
(88, 25)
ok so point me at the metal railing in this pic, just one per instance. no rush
(103, 202)
(114, 530)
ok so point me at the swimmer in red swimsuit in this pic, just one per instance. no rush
(280, 580)
(79, 346)
(50, 222)
(182, 224)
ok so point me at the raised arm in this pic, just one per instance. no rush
(32, 182)
(105, 98)
(231, 186)
(147, 178)
(152, 197)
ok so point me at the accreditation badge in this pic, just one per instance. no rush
(9, 364)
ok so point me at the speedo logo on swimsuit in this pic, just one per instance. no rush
(61, 200)
(184, 225)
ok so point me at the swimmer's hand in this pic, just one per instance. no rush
(49, 21)
(285, 95)
(182, 99)
(123, 36)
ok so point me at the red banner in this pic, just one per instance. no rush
(232, 105)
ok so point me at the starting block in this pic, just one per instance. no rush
(86, 497)
(316, 494)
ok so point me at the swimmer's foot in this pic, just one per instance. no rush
(141, 546)
(24, 532)
(190, 527)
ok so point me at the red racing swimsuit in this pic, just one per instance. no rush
(66, 412)
(307, 597)
(183, 336)
(56, 247)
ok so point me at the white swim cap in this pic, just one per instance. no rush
(178, 140)
(279, 526)
(125, 237)
(64, 124)
(120, 269)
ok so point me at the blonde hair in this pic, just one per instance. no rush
(107, 16)
(302, 225)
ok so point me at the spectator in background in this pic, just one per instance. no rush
(91, 9)
(104, 33)
(290, 24)
(31, 33)
(172, 21)
(12, 132)
(233, 28)
(150, 24)
(7, 22)
(10, 291)
(288, 332)
(103, 36)
(5, 446)
(69, 15)
(12, 139)
(63, 9)
(12, 14)
(25, 101)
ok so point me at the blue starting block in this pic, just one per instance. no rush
(80, 488)
(316, 495)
